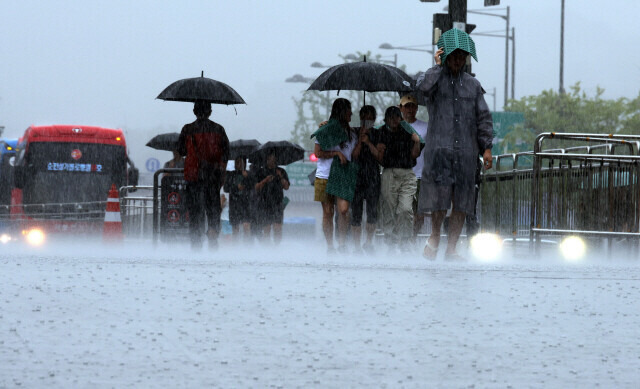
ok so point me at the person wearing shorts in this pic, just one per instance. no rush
(340, 111)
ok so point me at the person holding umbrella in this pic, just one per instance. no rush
(336, 176)
(270, 183)
(460, 129)
(206, 147)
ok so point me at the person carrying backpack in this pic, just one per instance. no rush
(206, 147)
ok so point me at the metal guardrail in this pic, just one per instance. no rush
(590, 190)
(136, 211)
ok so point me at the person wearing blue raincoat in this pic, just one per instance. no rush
(460, 130)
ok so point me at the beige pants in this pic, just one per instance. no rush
(396, 196)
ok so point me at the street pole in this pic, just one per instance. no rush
(513, 62)
(562, 47)
(458, 11)
(506, 62)
(494, 99)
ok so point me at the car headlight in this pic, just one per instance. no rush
(34, 237)
(573, 248)
(486, 246)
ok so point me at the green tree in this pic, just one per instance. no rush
(575, 111)
(314, 107)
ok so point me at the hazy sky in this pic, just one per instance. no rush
(104, 62)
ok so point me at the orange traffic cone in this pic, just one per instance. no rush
(112, 230)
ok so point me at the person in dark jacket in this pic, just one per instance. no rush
(270, 183)
(460, 129)
(206, 147)
(238, 185)
(368, 181)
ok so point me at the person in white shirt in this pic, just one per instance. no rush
(409, 108)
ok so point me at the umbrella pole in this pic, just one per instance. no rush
(364, 97)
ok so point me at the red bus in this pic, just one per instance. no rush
(62, 176)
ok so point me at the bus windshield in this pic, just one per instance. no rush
(72, 172)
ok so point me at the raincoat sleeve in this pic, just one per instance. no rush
(428, 81)
(484, 122)
(182, 144)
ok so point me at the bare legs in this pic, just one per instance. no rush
(277, 232)
(343, 221)
(327, 223)
(456, 221)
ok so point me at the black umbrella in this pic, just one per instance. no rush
(201, 88)
(421, 98)
(168, 141)
(363, 76)
(242, 148)
(285, 151)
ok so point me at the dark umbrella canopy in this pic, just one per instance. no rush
(168, 141)
(201, 88)
(242, 148)
(285, 152)
(421, 98)
(363, 76)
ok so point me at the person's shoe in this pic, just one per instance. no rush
(213, 244)
(358, 251)
(454, 257)
(343, 250)
(331, 251)
(429, 252)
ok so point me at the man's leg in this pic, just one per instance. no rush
(277, 233)
(389, 202)
(196, 216)
(418, 217)
(437, 217)
(456, 221)
(406, 188)
(213, 209)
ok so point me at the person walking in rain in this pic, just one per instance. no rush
(460, 129)
(398, 146)
(237, 184)
(270, 183)
(409, 108)
(368, 182)
(335, 185)
(206, 147)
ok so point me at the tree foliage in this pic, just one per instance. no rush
(314, 107)
(575, 111)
